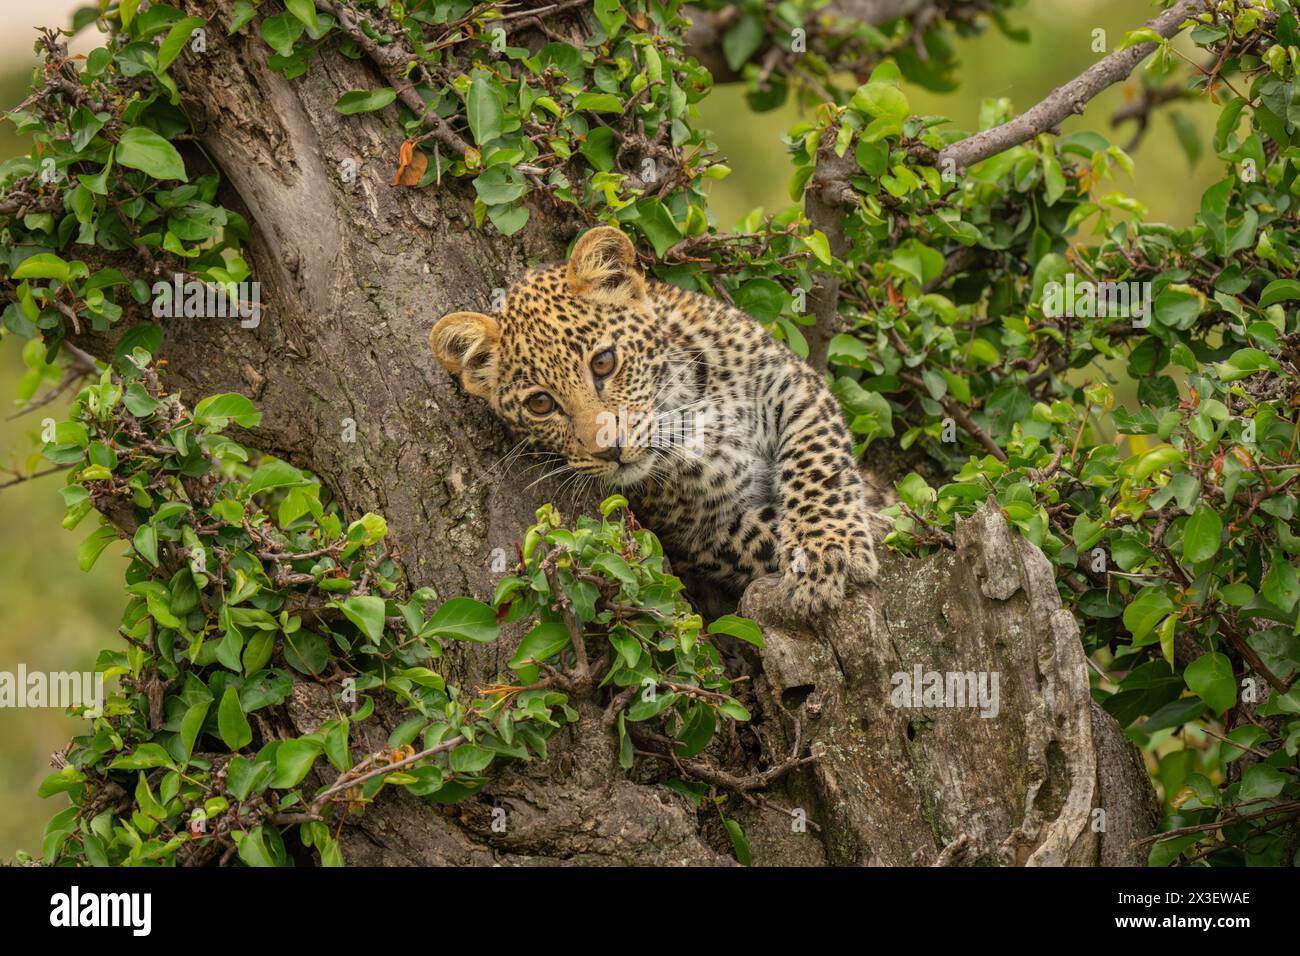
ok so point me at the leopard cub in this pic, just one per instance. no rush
(727, 445)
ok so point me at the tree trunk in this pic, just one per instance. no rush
(353, 276)
(1036, 774)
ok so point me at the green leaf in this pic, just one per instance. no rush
(1155, 460)
(626, 750)
(281, 32)
(258, 651)
(739, 842)
(916, 492)
(364, 101)
(1165, 852)
(245, 776)
(1053, 179)
(93, 546)
(654, 219)
(1188, 136)
(738, 627)
(275, 474)
(1237, 595)
(1210, 678)
(917, 261)
(847, 350)
(598, 102)
(336, 746)
(1261, 782)
(177, 37)
(563, 58)
(304, 10)
(616, 567)
(741, 41)
(367, 530)
(146, 542)
(145, 150)
(138, 401)
(611, 16)
(1174, 714)
(881, 99)
(483, 108)
(872, 157)
(1281, 586)
(1177, 309)
(1214, 207)
(43, 265)
(232, 724)
(468, 758)
(367, 612)
(242, 13)
(256, 846)
(541, 643)
(463, 619)
(1244, 363)
(1140, 35)
(1201, 534)
(220, 410)
(733, 709)
(820, 246)
(144, 757)
(1145, 611)
(1101, 603)
(192, 725)
(762, 298)
(508, 219)
(293, 759)
(498, 185)
(1086, 532)
(644, 708)
(599, 147)
(1280, 290)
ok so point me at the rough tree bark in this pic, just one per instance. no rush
(353, 275)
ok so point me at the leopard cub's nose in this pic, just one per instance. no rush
(614, 454)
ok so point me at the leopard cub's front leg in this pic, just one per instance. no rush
(821, 559)
(825, 532)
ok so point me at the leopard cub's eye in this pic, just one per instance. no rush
(602, 363)
(540, 403)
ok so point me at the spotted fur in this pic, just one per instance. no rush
(732, 449)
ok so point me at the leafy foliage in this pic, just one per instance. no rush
(1171, 522)
(242, 574)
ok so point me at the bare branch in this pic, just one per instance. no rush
(1066, 100)
(36, 474)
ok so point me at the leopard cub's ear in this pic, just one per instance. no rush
(466, 345)
(603, 265)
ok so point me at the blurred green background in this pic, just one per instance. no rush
(54, 617)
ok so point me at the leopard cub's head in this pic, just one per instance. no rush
(575, 361)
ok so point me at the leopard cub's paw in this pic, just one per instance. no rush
(805, 596)
(863, 565)
(817, 575)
